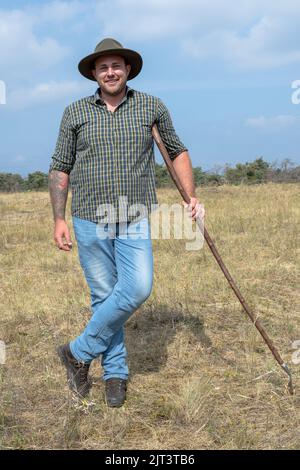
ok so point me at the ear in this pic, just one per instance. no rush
(94, 74)
(128, 67)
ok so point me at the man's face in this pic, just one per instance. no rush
(111, 73)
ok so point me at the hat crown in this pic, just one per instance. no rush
(110, 46)
(107, 44)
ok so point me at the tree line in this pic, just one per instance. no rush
(256, 172)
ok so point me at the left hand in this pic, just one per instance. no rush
(195, 208)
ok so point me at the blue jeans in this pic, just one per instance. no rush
(119, 273)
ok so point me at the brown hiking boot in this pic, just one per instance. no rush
(77, 372)
(115, 392)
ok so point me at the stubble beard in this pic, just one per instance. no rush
(115, 92)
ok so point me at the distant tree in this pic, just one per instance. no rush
(284, 173)
(199, 175)
(258, 171)
(295, 174)
(214, 178)
(254, 172)
(162, 177)
(11, 182)
(217, 169)
(287, 165)
(235, 175)
(37, 181)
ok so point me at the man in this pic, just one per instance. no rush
(105, 148)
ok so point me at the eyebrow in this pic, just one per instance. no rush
(105, 65)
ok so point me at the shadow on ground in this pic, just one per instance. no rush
(151, 330)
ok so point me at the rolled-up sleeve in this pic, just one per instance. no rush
(64, 155)
(166, 129)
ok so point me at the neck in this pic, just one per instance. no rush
(112, 100)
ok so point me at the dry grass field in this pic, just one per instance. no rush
(201, 375)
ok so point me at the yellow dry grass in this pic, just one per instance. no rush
(201, 376)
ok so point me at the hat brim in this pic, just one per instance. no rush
(133, 58)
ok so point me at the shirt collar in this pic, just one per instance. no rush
(98, 100)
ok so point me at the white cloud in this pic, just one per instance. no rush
(21, 50)
(2, 92)
(267, 44)
(248, 33)
(59, 11)
(158, 19)
(19, 158)
(273, 123)
(47, 92)
(255, 34)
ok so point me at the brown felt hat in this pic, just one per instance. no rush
(111, 46)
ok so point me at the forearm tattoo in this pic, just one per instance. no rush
(58, 188)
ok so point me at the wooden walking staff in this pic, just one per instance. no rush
(214, 251)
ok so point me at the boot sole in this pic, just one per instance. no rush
(110, 405)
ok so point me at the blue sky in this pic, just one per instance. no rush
(224, 68)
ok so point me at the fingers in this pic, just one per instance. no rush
(66, 247)
(62, 244)
(63, 239)
(195, 209)
(68, 239)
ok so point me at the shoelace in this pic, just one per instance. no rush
(117, 385)
(83, 370)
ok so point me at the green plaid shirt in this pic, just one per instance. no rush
(110, 155)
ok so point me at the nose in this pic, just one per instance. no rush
(110, 72)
